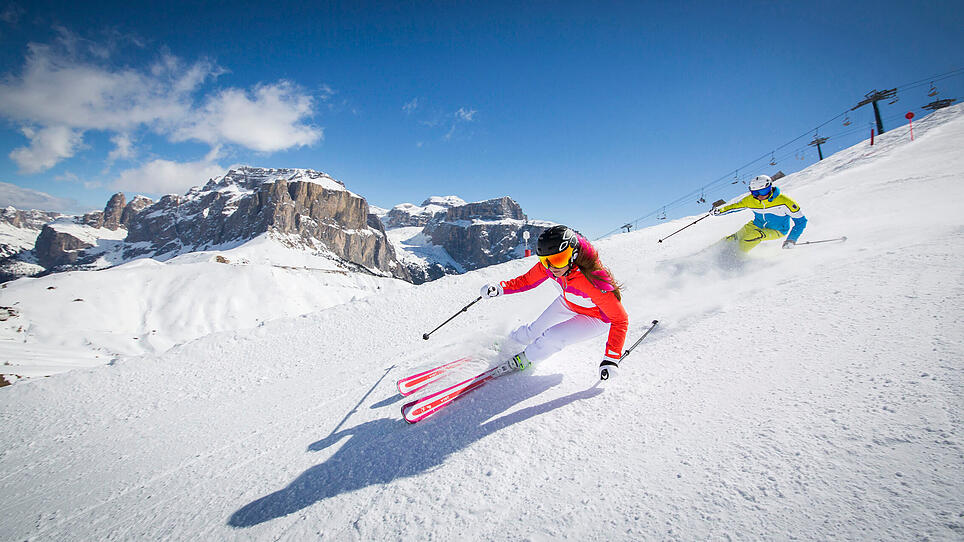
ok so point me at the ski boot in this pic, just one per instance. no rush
(520, 362)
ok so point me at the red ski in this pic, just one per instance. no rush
(411, 384)
(420, 409)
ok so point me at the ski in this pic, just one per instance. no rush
(411, 384)
(424, 407)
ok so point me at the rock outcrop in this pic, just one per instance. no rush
(57, 248)
(409, 215)
(20, 230)
(302, 206)
(484, 233)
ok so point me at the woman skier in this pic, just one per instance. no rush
(589, 304)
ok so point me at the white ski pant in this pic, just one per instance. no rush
(556, 328)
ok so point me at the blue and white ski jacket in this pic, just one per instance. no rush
(774, 212)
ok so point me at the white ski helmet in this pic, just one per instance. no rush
(761, 182)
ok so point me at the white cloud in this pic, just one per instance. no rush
(410, 107)
(270, 118)
(466, 115)
(47, 147)
(60, 90)
(167, 177)
(123, 148)
(71, 86)
(25, 198)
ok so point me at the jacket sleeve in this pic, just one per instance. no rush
(532, 278)
(799, 221)
(613, 309)
(740, 205)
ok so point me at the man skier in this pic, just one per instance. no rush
(772, 213)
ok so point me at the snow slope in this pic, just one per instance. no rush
(90, 318)
(811, 394)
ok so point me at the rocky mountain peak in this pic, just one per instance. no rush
(493, 209)
(483, 233)
(409, 215)
(251, 178)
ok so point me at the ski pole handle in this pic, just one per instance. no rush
(463, 309)
(635, 344)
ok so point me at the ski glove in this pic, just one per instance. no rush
(492, 290)
(716, 211)
(789, 243)
(607, 369)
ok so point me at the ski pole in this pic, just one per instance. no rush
(844, 238)
(716, 204)
(626, 353)
(465, 308)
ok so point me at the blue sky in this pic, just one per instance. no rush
(591, 114)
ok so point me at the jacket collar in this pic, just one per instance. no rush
(774, 194)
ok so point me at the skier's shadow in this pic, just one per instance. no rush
(386, 449)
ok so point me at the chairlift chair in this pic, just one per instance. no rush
(933, 90)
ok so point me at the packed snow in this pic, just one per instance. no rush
(811, 394)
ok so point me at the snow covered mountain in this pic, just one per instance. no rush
(445, 235)
(18, 234)
(809, 394)
(407, 215)
(295, 207)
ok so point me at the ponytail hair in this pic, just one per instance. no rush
(598, 275)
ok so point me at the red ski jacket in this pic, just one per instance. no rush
(582, 297)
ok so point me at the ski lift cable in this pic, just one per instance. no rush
(932, 79)
(681, 200)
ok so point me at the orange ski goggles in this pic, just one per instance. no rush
(558, 260)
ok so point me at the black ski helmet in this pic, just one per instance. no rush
(557, 239)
